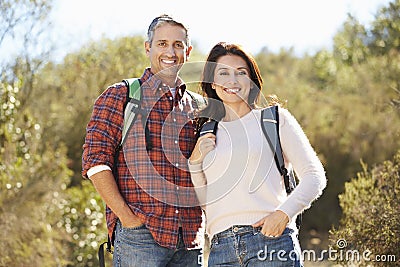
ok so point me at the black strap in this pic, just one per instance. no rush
(147, 136)
(209, 126)
(270, 126)
(101, 255)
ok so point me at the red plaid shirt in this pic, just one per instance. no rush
(155, 183)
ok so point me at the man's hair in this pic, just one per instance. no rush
(161, 20)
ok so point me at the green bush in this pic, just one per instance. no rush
(371, 217)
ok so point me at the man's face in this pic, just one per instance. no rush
(168, 50)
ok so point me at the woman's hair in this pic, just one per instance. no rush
(215, 108)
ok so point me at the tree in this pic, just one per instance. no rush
(23, 27)
(350, 43)
(385, 32)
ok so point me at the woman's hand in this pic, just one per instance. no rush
(274, 224)
(204, 144)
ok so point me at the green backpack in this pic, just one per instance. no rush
(133, 107)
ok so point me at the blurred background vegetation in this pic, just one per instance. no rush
(346, 99)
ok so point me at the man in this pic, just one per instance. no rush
(151, 210)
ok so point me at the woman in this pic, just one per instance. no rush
(250, 219)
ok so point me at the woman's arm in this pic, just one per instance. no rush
(298, 151)
(203, 146)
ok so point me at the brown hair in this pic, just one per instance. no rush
(215, 108)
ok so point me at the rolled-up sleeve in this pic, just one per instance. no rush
(104, 129)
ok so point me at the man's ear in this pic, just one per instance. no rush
(147, 47)
(188, 51)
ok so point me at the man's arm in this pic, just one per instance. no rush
(105, 185)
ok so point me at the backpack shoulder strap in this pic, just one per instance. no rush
(134, 97)
(209, 126)
(270, 127)
(200, 101)
(131, 109)
(133, 87)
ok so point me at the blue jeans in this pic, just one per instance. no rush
(247, 246)
(136, 247)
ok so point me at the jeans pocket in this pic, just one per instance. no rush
(287, 232)
(133, 228)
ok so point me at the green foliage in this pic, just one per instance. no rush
(354, 43)
(346, 100)
(70, 89)
(350, 43)
(325, 68)
(46, 222)
(386, 29)
(83, 218)
(347, 107)
(32, 176)
(371, 217)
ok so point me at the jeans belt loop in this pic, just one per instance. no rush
(256, 230)
(216, 239)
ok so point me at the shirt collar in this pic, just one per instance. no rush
(151, 82)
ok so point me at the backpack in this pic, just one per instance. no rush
(270, 128)
(132, 108)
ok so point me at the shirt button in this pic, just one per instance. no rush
(175, 141)
(170, 98)
(235, 229)
(174, 120)
(176, 164)
(177, 188)
(176, 211)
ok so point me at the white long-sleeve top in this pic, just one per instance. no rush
(238, 182)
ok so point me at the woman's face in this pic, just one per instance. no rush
(231, 80)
